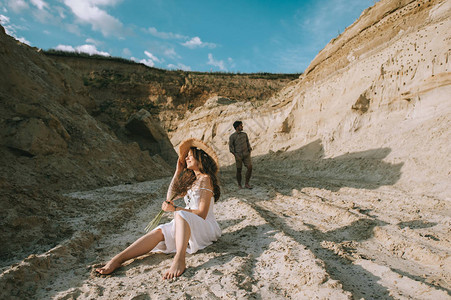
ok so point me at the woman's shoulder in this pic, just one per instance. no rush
(205, 180)
(204, 176)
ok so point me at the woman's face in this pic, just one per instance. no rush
(191, 162)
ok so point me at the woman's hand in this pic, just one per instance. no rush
(181, 164)
(168, 206)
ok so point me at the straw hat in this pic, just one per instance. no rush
(192, 142)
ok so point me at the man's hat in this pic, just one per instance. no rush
(192, 142)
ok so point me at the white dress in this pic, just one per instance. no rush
(203, 232)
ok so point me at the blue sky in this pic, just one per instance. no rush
(278, 36)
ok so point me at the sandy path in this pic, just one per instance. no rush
(278, 242)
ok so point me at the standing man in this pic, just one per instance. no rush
(239, 146)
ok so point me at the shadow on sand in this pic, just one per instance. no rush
(352, 277)
(307, 167)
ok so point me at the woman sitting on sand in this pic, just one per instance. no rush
(193, 227)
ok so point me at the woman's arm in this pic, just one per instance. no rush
(204, 201)
(178, 170)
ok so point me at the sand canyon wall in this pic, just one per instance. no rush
(50, 142)
(47, 128)
(121, 88)
(379, 92)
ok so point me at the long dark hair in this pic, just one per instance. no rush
(207, 166)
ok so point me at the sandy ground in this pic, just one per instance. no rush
(355, 224)
(291, 237)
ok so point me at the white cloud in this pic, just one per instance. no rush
(150, 61)
(193, 43)
(18, 5)
(4, 20)
(179, 66)
(216, 63)
(89, 49)
(24, 40)
(11, 30)
(105, 2)
(39, 4)
(88, 11)
(66, 48)
(165, 35)
(147, 62)
(196, 42)
(151, 56)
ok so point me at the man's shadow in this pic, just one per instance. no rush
(308, 167)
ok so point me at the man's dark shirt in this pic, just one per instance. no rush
(239, 144)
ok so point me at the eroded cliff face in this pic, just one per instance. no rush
(121, 89)
(379, 92)
(49, 142)
(46, 129)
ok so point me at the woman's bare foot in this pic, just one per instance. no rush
(177, 268)
(109, 267)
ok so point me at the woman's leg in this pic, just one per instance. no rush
(182, 235)
(140, 247)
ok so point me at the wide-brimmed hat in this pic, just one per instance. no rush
(192, 142)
